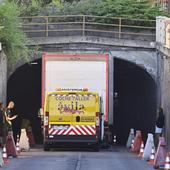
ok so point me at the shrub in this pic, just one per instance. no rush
(11, 36)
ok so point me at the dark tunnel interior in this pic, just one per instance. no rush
(24, 88)
(135, 106)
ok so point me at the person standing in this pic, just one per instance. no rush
(10, 117)
(160, 122)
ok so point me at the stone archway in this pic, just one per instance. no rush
(24, 88)
(135, 106)
(29, 76)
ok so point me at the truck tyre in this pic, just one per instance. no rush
(46, 147)
(96, 147)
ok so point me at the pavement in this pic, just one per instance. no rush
(115, 158)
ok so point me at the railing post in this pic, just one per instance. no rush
(46, 26)
(83, 29)
(120, 27)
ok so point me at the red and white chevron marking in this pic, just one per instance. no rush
(74, 130)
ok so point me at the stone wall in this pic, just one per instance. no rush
(3, 78)
(164, 87)
(165, 95)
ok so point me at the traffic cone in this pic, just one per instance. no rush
(30, 136)
(10, 145)
(160, 153)
(152, 156)
(137, 142)
(148, 147)
(17, 145)
(4, 155)
(132, 144)
(23, 142)
(1, 159)
(130, 137)
(141, 149)
(114, 140)
(167, 162)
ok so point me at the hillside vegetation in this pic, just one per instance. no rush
(14, 40)
(115, 8)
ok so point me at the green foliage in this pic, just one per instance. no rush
(31, 8)
(57, 3)
(114, 8)
(37, 7)
(12, 38)
(88, 7)
(54, 7)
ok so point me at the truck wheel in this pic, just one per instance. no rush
(96, 147)
(46, 147)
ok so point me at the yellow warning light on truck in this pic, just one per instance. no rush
(71, 89)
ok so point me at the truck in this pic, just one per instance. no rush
(67, 105)
(72, 116)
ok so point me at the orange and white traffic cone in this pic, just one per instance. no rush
(132, 145)
(167, 162)
(141, 149)
(17, 145)
(160, 155)
(4, 155)
(1, 159)
(130, 137)
(137, 142)
(23, 142)
(10, 145)
(30, 136)
(152, 156)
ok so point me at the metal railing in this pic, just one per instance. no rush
(87, 25)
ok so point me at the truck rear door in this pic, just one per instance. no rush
(73, 113)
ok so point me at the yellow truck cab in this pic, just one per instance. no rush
(71, 116)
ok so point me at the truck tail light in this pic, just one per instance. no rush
(46, 119)
(97, 120)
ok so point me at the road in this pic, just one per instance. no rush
(112, 159)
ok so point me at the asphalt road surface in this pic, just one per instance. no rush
(116, 158)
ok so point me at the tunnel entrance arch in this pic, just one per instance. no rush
(24, 88)
(134, 107)
(136, 101)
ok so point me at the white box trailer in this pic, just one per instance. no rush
(76, 71)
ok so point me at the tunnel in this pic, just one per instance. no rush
(135, 103)
(24, 88)
(134, 106)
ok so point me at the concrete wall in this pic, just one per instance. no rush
(144, 58)
(164, 87)
(163, 82)
(165, 98)
(3, 78)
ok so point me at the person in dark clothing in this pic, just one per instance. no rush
(160, 122)
(160, 119)
(10, 117)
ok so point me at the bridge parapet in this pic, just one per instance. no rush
(87, 25)
(131, 40)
